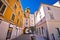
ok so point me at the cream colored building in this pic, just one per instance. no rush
(27, 18)
(31, 20)
(57, 4)
(35, 17)
(48, 25)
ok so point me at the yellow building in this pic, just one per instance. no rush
(11, 19)
(11, 11)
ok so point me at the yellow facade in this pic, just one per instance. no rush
(13, 12)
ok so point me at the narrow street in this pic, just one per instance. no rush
(30, 20)
(28, 37)
(23, 37)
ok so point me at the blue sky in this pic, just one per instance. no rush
(35, 4)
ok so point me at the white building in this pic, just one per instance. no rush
(48, 22)
(57, 4)
(35, 17)
(5, 26)
(31, 19)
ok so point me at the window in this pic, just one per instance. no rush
(39, 31)
(17, 0)
(18, 12)
(0, 21)
(42, 29)
(58, 31)
(1, 3)
(48, 8)
(2, 7)
(15, 6)
(26, 23)
(13, 17)
(51, 16)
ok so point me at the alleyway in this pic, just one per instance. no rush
(23, 37)
(28, 37)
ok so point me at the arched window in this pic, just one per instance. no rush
(13, 17)
(15, 6)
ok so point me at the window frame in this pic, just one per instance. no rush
(51, 15)
(12, 15)
(14, 6)
(48, 8)
(42, 30)
(4, 9)
(18, 12)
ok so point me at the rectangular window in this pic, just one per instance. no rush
(48, 8)
(2, 7)
(1, 3)
(42, 29)
(13, 17)
(51, 16)
(26, 23)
